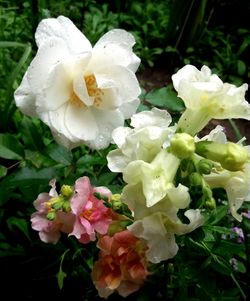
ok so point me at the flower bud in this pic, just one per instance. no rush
(231, 156)
(57, 205)
(118, 226)
(182, 145)
(51, 215)
(195, 179)
(116, 202)
(66, 206)
(66, 191)
(210, 204)
(205, 166)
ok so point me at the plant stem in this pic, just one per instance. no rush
(236, 130)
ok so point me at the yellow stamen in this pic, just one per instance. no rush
(76, 101)
(93, 89)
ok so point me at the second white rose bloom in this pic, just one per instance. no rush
(81, 93)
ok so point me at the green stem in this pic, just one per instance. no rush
(235, 129)
(237, 284)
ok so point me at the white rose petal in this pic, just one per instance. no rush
(81, 93)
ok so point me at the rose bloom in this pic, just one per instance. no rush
(81, 93)
(50, 231)
(92, 216)
(121, 266)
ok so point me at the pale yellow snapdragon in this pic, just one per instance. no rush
(206, 97)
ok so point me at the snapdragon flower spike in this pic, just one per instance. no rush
(91, 215)
(81, 92)
(206, 97)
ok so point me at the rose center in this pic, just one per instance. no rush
(75, 100)
(93, 89)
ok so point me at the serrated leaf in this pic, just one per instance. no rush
(165, 98)
(10, 148)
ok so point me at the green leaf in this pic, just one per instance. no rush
(19, 223)
(7, 250)
(221, 266)
(9, 106)
(30, 181)
(59, 153)
(90, 160)
(4, 44)
(61, 274)
(30, 134)
(218, 229)
(165, 98)
(3, 171)
(216, 215)
(241, 67)
(60, 277)
(10, 147)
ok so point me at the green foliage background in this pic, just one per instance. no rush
(168, 34)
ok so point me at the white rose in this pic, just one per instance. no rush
(81, 93)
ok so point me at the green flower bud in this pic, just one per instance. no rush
(182, 145)
(231, 156)
(66, 206)
(116, 202)
(118, 226)
(66, 191)
(57, 205)
(195, 179)
(210, 204)
(51, 215)
(205, 166)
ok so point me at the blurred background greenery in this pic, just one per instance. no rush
(169, 34)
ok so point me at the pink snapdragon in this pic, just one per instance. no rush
(121, 266)
(50, 230)
(92, 216)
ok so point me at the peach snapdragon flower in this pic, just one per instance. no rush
(121, 266)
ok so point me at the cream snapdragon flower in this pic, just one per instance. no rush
(206, 97)
(151, 130)
(236, 183)
(81, 93)
(159, 224)
(156, 177)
